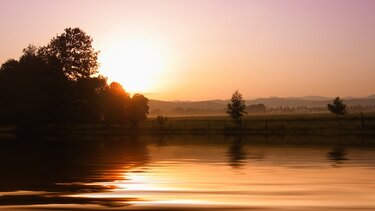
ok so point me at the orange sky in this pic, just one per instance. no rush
(205, 49)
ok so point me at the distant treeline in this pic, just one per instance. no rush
(59, 83)
(303, 109)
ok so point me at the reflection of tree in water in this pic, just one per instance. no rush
(337, 155)
(237, 154)
(160, 141)
(61, 168)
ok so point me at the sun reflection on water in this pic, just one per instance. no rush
(268, 177)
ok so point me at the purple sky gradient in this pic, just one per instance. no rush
(263, 48)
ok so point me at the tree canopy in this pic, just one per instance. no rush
(73, 51)
(58, 83)
(338, 107)
(139, 109)
(237, 108)
(117, 102)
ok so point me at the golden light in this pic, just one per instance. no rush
(136, 63)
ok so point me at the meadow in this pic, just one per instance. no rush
(269, 123)
(260, 124)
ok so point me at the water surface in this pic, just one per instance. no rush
(189, 173)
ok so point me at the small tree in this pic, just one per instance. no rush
(338, 107)
(236, 109)
(160, 121)
(138, 109)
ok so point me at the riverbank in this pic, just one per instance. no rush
(298, 124)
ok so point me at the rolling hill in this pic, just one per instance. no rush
(220, 105)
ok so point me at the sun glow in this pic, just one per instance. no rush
(136, 63)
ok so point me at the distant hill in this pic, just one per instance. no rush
(220, 105)
(274, 102)
(170, 105)
(313, 98)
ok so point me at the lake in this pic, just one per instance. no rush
(189, 173)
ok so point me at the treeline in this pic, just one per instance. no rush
(305, 109)
(59, 83)
(359, 108)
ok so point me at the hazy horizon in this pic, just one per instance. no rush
(310, 97)
(198, 50)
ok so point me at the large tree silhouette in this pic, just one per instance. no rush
(74, 53)
(31, 90)
(58, 84)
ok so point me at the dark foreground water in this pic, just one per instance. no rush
(189, 173)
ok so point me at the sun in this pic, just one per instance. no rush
(135, 63)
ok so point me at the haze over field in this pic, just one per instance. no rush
(218, 107)
(199, 50)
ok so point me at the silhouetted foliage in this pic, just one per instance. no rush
(160, 121)
(257, 108)
(73, 52)
(338, 107)
(120, 108)
(117, 101)
(31, 90)
(8, 66)
(58, 84)
(89, 96)
(138, 109)
(236, 109)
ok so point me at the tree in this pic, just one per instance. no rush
(116, 103)
(73, 55)
(257, 108)
(138, 109)
(8, 66)
(338, 107)
(32, 91)
(120, 108)
(236, 109)
(89, 94)
(58, 84)
(161, 121)
(73, 51)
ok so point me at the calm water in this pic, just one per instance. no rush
(189, 173)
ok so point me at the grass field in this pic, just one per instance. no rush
(282, 123)
(304, 124)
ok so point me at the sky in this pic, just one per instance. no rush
(207, 49)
